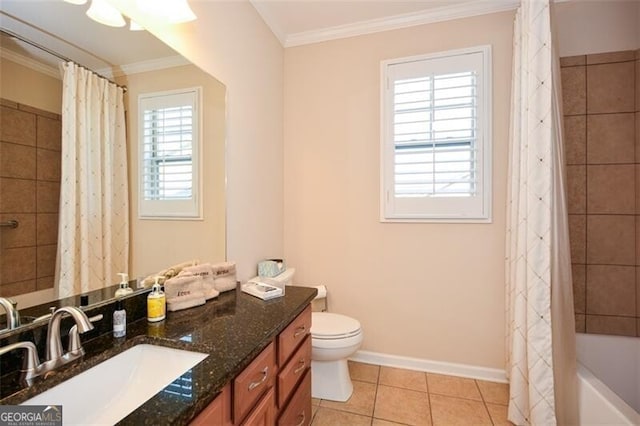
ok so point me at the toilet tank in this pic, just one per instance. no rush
(285, 278)
(282, 280)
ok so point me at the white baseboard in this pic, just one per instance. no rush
(429, 366)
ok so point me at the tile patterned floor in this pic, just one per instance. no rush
(385, 396)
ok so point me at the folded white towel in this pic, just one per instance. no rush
(224, 276)
(205, 272)
(184, 291)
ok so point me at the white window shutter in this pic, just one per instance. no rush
(436, 137)
(169, 154)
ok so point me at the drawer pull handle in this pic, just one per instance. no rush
(303, 418)
(254, 385)
(302, 365)
(300, 330)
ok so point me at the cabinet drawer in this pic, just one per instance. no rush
(264, 413)
(253, 382)
(293, 335)
(298, 411)
(293, 371)
(218, 412)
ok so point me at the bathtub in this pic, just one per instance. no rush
(608, 379)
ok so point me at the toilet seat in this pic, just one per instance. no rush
(330, 326)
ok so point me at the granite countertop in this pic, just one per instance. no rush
(232, 329)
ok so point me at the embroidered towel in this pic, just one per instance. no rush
(184, 291)
(204, 271)
(224, 276)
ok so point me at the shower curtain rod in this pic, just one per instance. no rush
(57, 55)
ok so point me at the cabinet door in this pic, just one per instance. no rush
(293, 371)
(292, 336)
(218, 412)
(264, 413)
(253, 382)
(298, 411)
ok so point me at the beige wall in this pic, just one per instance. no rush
(585, 27)
(157, 244)
(24, 85)
(431, 291)
(230, 41)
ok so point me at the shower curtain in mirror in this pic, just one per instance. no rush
(93, 235)
(541, 360)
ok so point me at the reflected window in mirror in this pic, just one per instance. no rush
(170, 145)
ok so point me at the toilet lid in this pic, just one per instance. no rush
(326, 325)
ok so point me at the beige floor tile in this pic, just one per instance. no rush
(402, 406)
(453, 386)
(496, 393)
(498, 414)
(380, 422)
(328, 417)
(401, 378)
(364, 372)
(451, 411)
(361, 402)
(314, 410)
(315, 401)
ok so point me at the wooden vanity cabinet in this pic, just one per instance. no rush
(258, 378)
(218, 412)
(274, 388)
(264, 413)
(294, 377)
(298, 410)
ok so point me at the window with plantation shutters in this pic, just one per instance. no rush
(169, 141)
(435, 144)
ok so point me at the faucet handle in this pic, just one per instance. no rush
(75, 346)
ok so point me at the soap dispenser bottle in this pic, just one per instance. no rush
(156, 303)
(124, 288)
(119, 320)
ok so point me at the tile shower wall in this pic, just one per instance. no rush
(601, 101)
(29, 192)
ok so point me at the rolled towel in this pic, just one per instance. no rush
(170, 272)
(184, 291)
(205, 272)
(224, 276)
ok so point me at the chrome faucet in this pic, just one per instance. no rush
(13, 316)
(31, 362)
(55, 355)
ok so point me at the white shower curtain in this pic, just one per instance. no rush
(93, 235)
(541, 360)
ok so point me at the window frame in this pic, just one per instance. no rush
(165, 209)
(441, 208)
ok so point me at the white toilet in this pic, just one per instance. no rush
(334, 338)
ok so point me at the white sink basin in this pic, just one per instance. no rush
(108, 392)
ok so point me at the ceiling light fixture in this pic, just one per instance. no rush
(78, 2)
(170, 11)
(103, 12)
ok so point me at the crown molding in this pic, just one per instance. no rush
(445, 13)
(268, 19)
(145, 66)
(30, 63)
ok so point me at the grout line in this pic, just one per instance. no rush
(484, 403)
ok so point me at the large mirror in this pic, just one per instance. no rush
(30, 147)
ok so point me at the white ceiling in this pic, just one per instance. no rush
(65, 29)
(297, 22)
